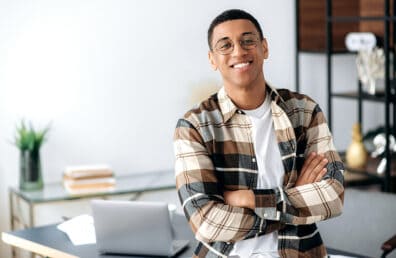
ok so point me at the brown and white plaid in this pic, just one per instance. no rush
(214, 152)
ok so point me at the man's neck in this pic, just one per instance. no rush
(247, 98)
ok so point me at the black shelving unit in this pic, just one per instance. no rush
(388, 97)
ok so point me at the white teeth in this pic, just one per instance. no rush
(241, 65)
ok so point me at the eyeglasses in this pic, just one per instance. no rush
(226, 46)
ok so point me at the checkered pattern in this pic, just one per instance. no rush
(214, 152)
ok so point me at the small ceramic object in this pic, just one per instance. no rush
(356, 154)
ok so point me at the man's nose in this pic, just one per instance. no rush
(238, 50)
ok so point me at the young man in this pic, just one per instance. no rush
(255, 167)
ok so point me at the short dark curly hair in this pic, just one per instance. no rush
(232, 14)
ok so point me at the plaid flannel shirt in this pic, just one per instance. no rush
(214, 152)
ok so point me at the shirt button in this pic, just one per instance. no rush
(253, 159)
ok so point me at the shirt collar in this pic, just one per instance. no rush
(228, 107)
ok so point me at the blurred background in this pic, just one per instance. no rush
(113, 77)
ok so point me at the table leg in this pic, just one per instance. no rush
(31, 221)
(12, 224)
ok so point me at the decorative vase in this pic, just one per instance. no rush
(356, 154)
(30, 178)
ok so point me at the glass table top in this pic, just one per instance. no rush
(133, 183)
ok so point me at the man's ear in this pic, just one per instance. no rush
(264, 45)
(212, 60)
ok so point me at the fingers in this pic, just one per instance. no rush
(314, 168)
(317, 163)
(308, 161)
(321, 175)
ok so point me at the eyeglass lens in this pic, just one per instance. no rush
(226, 45)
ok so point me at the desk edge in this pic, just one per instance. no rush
(33, 247)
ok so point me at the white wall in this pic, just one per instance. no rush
(114, 76)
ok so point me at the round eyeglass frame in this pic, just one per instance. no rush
(231, 49)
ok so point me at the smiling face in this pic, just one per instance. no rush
(243, 66)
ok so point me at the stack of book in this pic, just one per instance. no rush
(88, 179)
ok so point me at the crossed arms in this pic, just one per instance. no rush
(313, 170)
(225, 216)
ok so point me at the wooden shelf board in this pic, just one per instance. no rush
(380, 97)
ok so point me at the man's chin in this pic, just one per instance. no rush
(242, 84)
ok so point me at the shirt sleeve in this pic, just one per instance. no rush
(201, 197)
(314, 202)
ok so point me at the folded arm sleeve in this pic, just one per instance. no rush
(201, 197)
(314, 202)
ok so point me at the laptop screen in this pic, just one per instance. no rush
(132, 227)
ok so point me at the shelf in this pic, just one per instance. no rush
(359, 18)
(345, 16)
(335, 52)
(368, 174)
(380, 97)
(356, 179)
(321, 29)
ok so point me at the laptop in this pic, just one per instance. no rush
(134, 228)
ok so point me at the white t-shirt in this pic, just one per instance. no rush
(270, 175)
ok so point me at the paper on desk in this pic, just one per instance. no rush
(80, 230)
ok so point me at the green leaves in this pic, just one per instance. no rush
(27, 138)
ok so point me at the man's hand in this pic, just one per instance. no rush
(240, 198)
(313, 170)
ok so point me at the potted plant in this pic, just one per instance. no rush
(29, 141)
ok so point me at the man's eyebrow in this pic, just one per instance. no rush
(223, 38)
(243, 34)
(248, 33)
